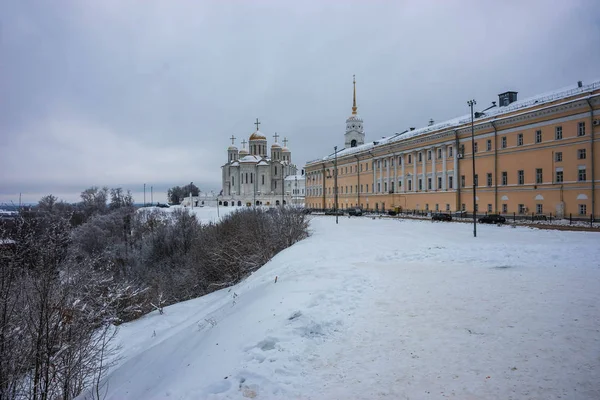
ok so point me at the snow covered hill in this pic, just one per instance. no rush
(382, 308)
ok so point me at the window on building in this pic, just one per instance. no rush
(539, 209)
(581, 176)
(489, 179)
(410, 158)
(392, 186)
(385, 186)
(476, 207)
(399, 185)
(439, 153)
(558, 156)
(366, 167)
(488, 145)
(426, 206)
(521, 175)
(582, 209)
(462, 181)
(276, 187)
(558, 133)
(504, 208)
(409, 184)
(361, 188)
(378, 187)
(439, 185)
(384, 163)
(449, 151)
(463, 207)
(521, 208)
(476, 180)
(429, 154)
(378, 163)
(263, 179)
(559, 175)
(538, 175)
(420, 184)
(420, 156)
(503, 142)
(581, 129)
(538, 136)
(392, 161)
(450, 182)
(489, 208)
(246, 177)
(475, 147)
(361, 167)
(276, 170)
(429, 183)
(504, 178)
(399, 160)
(520, 139)
(581, 154)
(437, 207)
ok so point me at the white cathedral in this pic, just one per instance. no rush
(257, 177)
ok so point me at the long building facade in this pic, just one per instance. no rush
(533, 156)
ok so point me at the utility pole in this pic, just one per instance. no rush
(282, 185)
(335, 173)
(144, 195)
(191, 199)
(151, 196)
(471, 103)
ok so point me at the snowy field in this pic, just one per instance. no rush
(390, 309)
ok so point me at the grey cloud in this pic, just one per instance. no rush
(127, 91)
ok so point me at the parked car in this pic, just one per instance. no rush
(162, 205)
(492, 219)
(441, 217)
(355, 211)
(333, 212)
(392, 213)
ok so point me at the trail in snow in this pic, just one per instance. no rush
(384, 309)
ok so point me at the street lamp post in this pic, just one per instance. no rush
(335, 173)
(471, 103)
(191, 199)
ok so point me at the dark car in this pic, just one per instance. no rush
(492, 219)
(355, 211)
(334, 212)
(441, 217)
(162, 205)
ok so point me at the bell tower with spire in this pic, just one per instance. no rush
(355, 135)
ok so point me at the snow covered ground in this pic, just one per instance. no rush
(396, 309)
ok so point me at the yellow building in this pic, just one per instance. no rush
(538, 155)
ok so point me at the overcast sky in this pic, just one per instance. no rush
(127, 92)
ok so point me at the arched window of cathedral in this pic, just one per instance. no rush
(239, 203)
(353, 143)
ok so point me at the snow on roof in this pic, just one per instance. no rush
(294, 177)
(250, 159)
(262, 163)
(543, 98)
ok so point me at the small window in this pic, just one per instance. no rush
(420, 156)
(504, 178)
(582, 209)
(462, 181)
(521, 208)
(489, 179)
(558, 133)
(476, 207)
(488, 145)
(581, 176)
(489, 208)
(463, 207)
(559, 176)
(538, 136)
(504, 208)
(420, 184)
(410, 159)
(450, 182)
(439, 185)
(450, 151)
(399, 160)
(429, 155)
(447, 207)
(429, 183)
(539, 208)
(520, 139)
(538, 175)
(503, 142)
(521, 175)
(581, 154)
(409, 184)
(581, 129)
(558, 156)
(427, 207)
(439, 153)
(437, 207)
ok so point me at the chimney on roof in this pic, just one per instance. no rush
(506, 98)
(412, 128)
(431, 121)
(579, 84)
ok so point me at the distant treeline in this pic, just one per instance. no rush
(70, 273)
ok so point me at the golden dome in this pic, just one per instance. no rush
(258, 136)
(275, 146)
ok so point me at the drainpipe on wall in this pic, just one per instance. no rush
(358, 185)
(495, 167)
(592, 154)
(458, 183)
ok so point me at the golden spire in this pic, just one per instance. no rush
(354, 101)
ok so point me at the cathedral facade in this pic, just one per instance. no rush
(256, 176)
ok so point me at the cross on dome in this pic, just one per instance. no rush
(285, 142)
(257, 123)
(244, 143)
(276, 136)
(232, 139)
